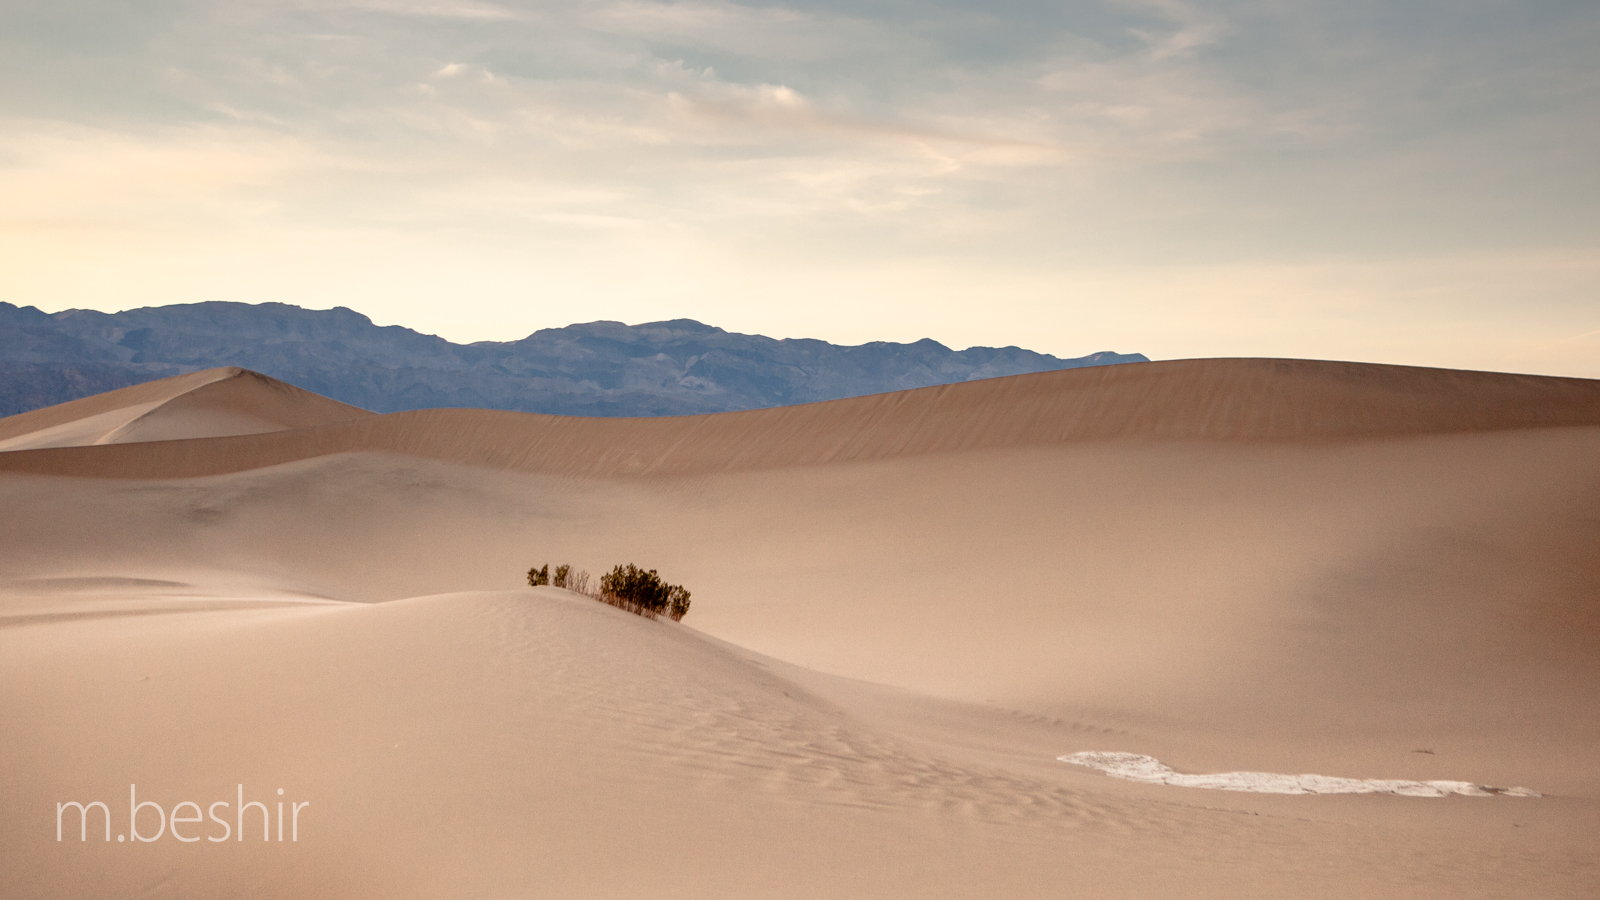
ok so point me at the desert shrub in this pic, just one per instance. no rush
(677, 603)
(578, 582)
(564, 576)
(643, 591)
(639, 591)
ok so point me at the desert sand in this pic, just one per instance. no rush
(906, 609)
(211, 403)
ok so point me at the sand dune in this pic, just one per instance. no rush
(504, 744)
(1287, 401)
(906, 609)
(212, 403)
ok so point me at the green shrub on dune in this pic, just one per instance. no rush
(639, 591)
(646, 590)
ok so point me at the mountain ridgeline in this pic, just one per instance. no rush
(675, 367)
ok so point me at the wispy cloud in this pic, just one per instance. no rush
(1190, 28)
(1021, 144)
(428, 9)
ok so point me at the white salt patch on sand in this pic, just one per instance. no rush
(1133, 767)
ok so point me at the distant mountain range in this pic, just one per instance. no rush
(675, 367)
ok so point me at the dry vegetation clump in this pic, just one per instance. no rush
(639, 591)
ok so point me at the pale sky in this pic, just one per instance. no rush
(1406, 182)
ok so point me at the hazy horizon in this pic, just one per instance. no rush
(1362, 182)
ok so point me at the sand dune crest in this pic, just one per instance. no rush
(1227, 400)
(212, 403)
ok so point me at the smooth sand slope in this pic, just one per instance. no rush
(1190, 400)
(212, 403)
(906, 607)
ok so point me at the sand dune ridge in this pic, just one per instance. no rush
(1227, 400)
